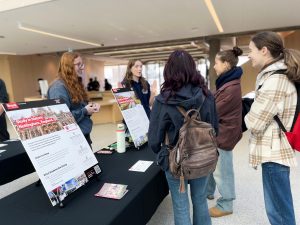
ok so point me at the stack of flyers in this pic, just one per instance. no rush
(114, 191)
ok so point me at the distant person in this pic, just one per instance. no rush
(4, 135)
(96, 84)
(67, 87)
(135, 80)
(228, 98)
(40, 91)
(275, 94)
(90, 85)
(184, 87)
(107, 85)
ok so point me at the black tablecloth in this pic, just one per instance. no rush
(146, 191)
(14, 162)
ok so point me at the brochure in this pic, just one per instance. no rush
(114, 191)
(134, 115)
(141, 166)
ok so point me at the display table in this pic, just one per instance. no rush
(30, 206)
(14, 162)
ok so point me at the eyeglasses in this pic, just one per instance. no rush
(80, 65)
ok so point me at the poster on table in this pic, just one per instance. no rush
(55, 145)
(134, 115)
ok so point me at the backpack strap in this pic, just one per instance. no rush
(185, 113)
(276, 118)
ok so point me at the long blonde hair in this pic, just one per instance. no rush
(67, 73)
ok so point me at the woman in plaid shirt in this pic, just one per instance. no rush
(275, 95)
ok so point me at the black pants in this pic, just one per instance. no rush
(4, 135)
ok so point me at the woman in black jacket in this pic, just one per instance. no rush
(135, 80)
(184, 87)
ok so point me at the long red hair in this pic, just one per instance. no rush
(67, 73)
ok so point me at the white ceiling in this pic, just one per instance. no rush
(123, 22)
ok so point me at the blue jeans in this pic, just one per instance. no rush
(181, 207)
(277, 194)
(223, 178)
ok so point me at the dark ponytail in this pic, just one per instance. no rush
(230, 56)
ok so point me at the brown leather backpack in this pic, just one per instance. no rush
(195, 154)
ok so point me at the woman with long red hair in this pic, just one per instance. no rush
(68, 88)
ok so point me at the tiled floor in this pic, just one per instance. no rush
(248, 207)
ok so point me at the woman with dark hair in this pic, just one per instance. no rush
(275, 95)
(68, 88)
(228, 98)
(183, 87)
(135, 80)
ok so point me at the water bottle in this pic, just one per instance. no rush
(120, 138)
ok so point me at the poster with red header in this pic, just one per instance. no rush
(134, 114)
(55, 145)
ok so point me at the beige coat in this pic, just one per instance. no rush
(277, 96)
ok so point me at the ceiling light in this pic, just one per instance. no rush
(8, 53)
(6, 5)
(160, 48)
(27, 28)
(214, 15)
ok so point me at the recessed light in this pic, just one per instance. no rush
(8, 53)
(7, 5)
(214, 15)
(1, 36)
(34, 30)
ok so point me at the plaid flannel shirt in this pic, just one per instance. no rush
(277, 96)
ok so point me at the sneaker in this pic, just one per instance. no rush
(215, 212)
(210, 197)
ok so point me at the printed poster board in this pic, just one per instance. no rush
(55, 145)
(134, 115)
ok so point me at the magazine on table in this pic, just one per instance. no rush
(114, 191)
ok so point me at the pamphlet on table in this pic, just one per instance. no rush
(55, 145)
(141, 166)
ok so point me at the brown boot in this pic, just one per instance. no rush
(215, 212)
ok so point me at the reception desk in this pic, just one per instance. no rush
(109, 110)
(108, 113)
(33, 98)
